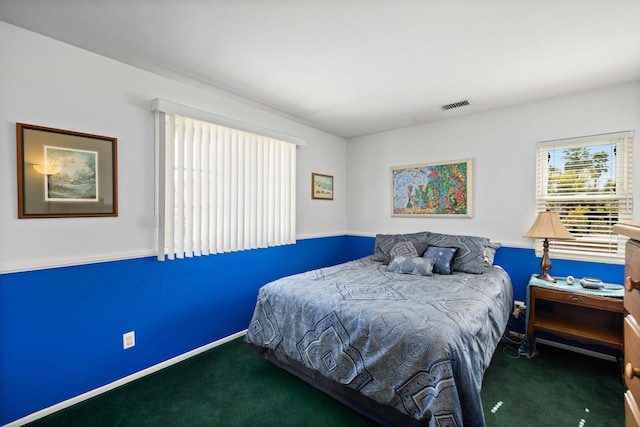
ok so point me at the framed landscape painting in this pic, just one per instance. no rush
(63, 173)
(432, 190)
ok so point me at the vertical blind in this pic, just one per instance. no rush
(222, 189)
(588, 181)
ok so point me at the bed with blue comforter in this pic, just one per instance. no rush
(400, 348)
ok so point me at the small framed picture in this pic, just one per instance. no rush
(321, 186)
(62, 173)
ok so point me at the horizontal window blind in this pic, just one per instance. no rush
(588, 182)
(222, 189)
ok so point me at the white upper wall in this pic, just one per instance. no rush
(48, 83)
(502, 145)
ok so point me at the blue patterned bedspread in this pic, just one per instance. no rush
(419, 344)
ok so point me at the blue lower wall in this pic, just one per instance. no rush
(62, 328)
(522, 263)
(61, 333)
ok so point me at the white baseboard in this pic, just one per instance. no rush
(577, 349)
(88, 395)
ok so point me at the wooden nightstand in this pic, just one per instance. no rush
(575, 313)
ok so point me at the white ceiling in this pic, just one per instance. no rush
(355, 67)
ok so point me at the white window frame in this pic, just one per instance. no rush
(604, 246)
(221, 185)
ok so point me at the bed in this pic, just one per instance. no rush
(403, 336)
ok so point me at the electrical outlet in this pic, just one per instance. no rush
(128, 340)
(518, 308)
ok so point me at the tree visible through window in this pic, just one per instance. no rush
(588, 181)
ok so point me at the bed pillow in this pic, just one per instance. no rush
(490, 253)
(407, 249)
(469, 257)
(442, 257)
(415, 265)
(385, 242)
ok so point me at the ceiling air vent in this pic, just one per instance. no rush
(454, 105)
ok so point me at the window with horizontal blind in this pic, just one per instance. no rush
(588, 182)
(221, 189)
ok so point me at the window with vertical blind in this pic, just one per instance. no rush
(221, 188)
(588, 182)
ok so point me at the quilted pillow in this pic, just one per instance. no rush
(407, 249)
(469, 257)
(416, 265)
(490, 253)
(442, 257)
(385, 242)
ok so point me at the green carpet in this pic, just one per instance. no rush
(556, 388)
(232, 386)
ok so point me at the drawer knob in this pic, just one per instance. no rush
(630, 371)
(630, 284)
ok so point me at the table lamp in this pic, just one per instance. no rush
(548, 226)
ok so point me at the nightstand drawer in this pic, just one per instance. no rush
(591, 301)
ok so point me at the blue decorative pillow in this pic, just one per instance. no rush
(443, 257)
(469, 257)
(416, 265)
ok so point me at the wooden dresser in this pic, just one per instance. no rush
(631, 325)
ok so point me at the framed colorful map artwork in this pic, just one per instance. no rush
(432, 190)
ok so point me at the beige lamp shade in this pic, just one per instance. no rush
(549, 226)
